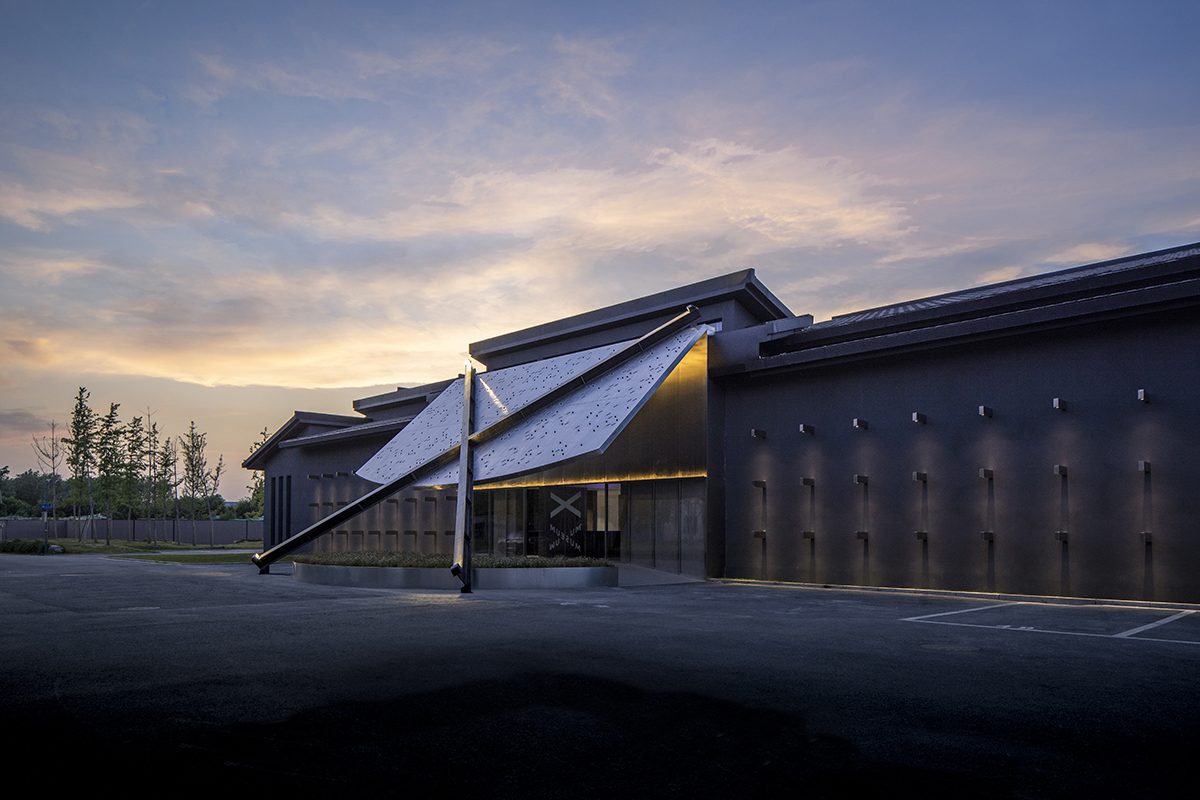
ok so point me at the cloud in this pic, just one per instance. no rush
(17, 426)
(31, 208)
(579, 80)
(1089, 252)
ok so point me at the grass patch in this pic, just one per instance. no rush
(120, 546)
(192, 558)
(369, 558)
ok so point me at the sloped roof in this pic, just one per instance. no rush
(583, 421)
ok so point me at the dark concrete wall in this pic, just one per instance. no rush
(1104, 502)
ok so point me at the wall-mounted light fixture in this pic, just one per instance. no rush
(1060, 470)
(808, 481)
(1143, 396)
(1143, 466)
(985, 411)
(1060, 536)
(922, 536)
(860, 480)
(861, 535)
(758, 433)
(759, 484)
(920, 477)
(760, 534)
(986, 473)
(1059, 404)
(808, 534)
(918, 418)
(809, 429)
(859, 424)
(988, 536)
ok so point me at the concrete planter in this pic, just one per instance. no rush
(438, 578)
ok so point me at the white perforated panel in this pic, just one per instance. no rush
(584, 422)
(498, 393)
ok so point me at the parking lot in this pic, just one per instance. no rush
(193, 679)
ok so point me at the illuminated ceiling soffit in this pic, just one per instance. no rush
(584, 422)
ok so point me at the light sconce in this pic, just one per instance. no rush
(918, 418)
(758, 433)
(920, 477)
(1059, 404)
(986, 473)
(860, 480)
(1143, 396)
(809, 429)
(985, 411)
(759, 484)
(760, 534)
(859, 424)
(1143, 466)
(808, 481)
(1060, 470)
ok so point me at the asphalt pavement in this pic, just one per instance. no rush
(184, 680)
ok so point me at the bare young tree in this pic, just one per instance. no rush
(213, 484)
(49, 453)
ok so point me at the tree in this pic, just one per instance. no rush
(49, 453)
(110, 464)
(195, 470)
(167, 487)
(81, 455)
(256, 486)
(151, 455)
(213, 485)
(133, 442)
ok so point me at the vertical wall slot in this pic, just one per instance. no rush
(864, 526)
(1064, 524)
(811, 533)
(989, 529)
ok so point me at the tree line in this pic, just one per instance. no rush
(103, 468)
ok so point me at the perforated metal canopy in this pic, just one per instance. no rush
(583, 422)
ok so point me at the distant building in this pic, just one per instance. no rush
(1036, 436)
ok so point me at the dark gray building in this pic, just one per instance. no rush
(1037, 436)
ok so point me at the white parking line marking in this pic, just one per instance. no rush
(1027, 629)
(960, 611)
(1140, 628)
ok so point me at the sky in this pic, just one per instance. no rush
(223, 212)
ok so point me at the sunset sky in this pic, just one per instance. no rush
(227, 211)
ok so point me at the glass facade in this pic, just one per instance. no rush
(582, 520)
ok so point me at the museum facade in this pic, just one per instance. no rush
(1037, 436)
